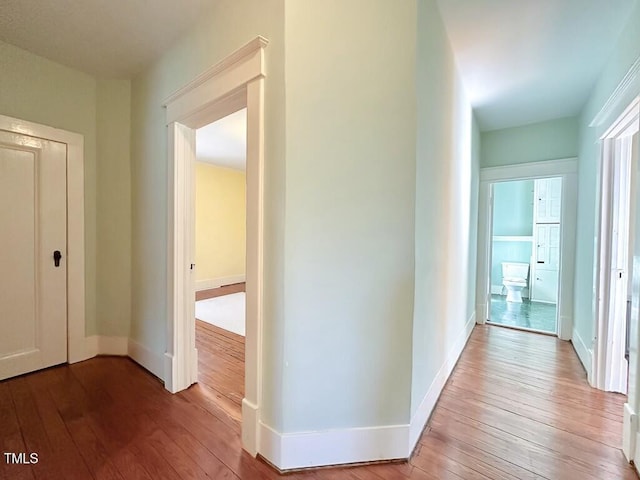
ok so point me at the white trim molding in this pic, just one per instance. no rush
(551, 168)
(293, 451)
(106, 345)
(422, 414)
(584, 353)
(210, 283)
(145, 357)
(626, 89)
(76, 342)
(234, 83)
(629, 432)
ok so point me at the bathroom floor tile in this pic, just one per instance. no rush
(532, 315)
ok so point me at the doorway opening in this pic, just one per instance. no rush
(236, 82)
(617, 229)
(525, 254)
(220, 259)
(542, 172)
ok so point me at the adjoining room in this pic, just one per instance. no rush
(220, 250)
(525, 254)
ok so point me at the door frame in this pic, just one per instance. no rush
(77, 349)
(567, 169)
(228, 86)
(624, 126)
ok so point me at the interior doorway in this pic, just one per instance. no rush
(525, 253)
(236, 82)
(220, 259)
(616, 233)
(564, 169)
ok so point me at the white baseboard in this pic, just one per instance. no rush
(146, 358)
(105, 345)
(333, 447)
(629, 433)
(250, 427)
(637, 453)
(584, 353)
(422, 414)
(218, 282)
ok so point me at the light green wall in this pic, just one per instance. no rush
(350, 183)
(472, 262)
(447, 163)
(512, 216)
(549, 140)
(363, 192)
(513, 208)
(226, 26)
(623, 55)
(113, 201)
(41, 91)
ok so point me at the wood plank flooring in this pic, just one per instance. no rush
(516, 407)
(221, 366)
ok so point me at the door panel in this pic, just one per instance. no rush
(33, 292)
(546, 286)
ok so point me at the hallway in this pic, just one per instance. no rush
(516, 406)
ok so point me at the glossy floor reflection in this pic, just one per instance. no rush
(532, 315)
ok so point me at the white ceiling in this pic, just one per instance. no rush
(525, 61)
(224, 143)
(522, 61)
(109, 38)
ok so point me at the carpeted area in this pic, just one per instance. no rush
(227, 312)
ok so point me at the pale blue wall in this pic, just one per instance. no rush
(512, 216)
(447, 168)
(513, 208)
(624, 54)
(548, 140)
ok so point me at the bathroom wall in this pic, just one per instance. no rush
(512, 216)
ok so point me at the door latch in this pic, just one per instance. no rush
(56, 258)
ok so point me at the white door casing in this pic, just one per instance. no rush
(73, 252)
(232, 84)
(33, 291)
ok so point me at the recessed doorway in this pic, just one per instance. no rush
(525, 253)
(220, 259)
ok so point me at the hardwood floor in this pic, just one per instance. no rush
(516, 407)
(221, 358)
(221, 366)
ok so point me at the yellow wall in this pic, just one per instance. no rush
(220, 222)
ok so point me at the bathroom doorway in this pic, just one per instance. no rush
(525, 254)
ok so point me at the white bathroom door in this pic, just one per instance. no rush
(546, 267)
(33, 279)
(548, 200)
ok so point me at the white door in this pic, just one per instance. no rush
(546, 266)
(33, 219)
(548, 194)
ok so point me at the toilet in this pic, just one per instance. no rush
(514, 279)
